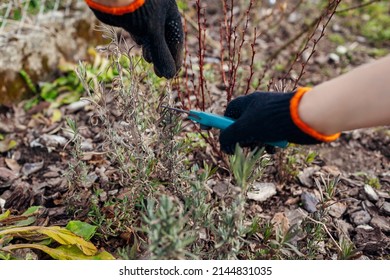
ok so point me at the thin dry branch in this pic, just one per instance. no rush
(328, 13)
(325, 228)
(358, 6)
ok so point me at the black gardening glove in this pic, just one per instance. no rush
(153, 24)
(264, 117)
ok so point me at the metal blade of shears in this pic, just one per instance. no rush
(189, 113)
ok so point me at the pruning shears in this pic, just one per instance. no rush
(207, 120)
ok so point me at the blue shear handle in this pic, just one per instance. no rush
(221, 122)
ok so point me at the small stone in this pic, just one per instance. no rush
(112, 192)
(370, 208)
(352, 192)
(385, 209)
(386, 174)
(321, 59)
(344, 227)
(2, 204)
(52, 140)
(295, 217)
(382, 194)
(36, 144)
(221, 188)
(361, 39)
(337, 209)
(305, 176)
(366, 17)
(332, 170)
(86, 146)
(381, 222)
(360, 217)
(334, 58)
(203, 234)
(77, 106)
(294, 17)
(309, 202)
(370, 193)
(365, 227)
(321, 247)
(90, 179)
(103, 196)
(336, 27)
(341, 50)
(262, 191)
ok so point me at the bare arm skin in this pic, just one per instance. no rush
(357, 99)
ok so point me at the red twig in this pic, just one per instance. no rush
(330, 11)
(237, 62)
(249, 80)
(201, 51)
(234, 45)
(187, 90)
(221, 57)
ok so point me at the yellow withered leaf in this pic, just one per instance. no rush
(56, 116)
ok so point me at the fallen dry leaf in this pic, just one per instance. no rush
(281, 222)
(7, 145)
(30, 168)
(7, 174)
(12, 164)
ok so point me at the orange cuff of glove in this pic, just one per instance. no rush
(294, 103)
(117, 11)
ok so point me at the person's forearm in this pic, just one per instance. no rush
(357, 99)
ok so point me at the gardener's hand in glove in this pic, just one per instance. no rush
(153, 24)
(268, 117)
